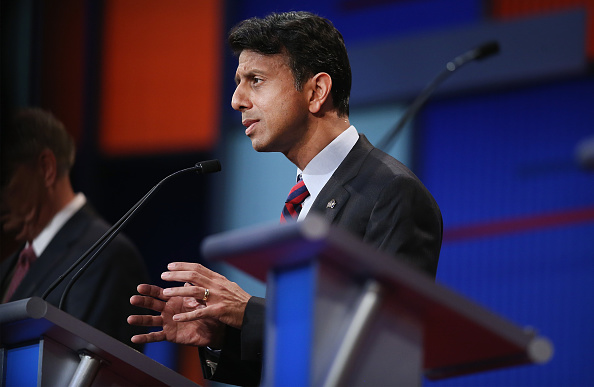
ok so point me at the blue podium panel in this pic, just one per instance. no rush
(22, 365)
(293, 322)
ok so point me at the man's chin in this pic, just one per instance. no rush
(14, 231)
(259, 146)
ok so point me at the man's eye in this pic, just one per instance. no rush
(257, 80)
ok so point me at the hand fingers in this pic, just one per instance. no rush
(147, 303)
(151, 291)
(191, 276)
(145, 320)
(189, 266)
(148, 337)
(194, 273)
(196, 292)
(193, 315)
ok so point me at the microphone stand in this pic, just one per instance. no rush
(478, 53)
(201, 168)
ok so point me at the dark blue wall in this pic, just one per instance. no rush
(519, 209)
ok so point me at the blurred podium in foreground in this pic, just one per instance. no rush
(341, 313)
(41, 345)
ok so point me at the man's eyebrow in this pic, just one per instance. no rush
(248, 74)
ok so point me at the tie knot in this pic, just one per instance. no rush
(298, 193)
(27, 256)
(294, 201)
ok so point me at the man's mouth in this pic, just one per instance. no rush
(249, 124)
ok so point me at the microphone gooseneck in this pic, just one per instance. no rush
(202, 167)
(479, 53)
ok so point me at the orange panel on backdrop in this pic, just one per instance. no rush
(161, 76)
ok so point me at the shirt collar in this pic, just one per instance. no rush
(319, 170)
(52, 228)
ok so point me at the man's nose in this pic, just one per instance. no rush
(240, 101)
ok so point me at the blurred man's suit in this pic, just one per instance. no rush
(100, 297)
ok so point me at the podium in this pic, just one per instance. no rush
(341, 313)
(44, 346)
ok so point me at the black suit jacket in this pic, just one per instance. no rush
(101, 296)
(376, 198)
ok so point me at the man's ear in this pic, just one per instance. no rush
(321, 84)
(48, 167)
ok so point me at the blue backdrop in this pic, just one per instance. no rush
(502, 167)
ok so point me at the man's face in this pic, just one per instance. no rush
(22, 200)
(274, 113)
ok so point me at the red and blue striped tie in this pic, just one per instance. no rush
(294, 201)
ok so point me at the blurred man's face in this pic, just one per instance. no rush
(22, 199)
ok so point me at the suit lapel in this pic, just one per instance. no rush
(335, 193)
(54, 255)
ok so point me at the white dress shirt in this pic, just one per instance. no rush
(52, 228)
(319, 170)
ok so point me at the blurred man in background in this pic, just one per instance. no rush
(55, 226)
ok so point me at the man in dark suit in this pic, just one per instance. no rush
(293, 85)
(56, 226)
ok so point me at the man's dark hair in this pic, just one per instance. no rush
(311, 42)
(31, 131)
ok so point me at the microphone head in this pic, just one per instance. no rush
(481, 52)
(208, 166)
(486, 50)
(584, 153)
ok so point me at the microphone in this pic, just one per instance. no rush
(584, 153)
(202, 167)
(479, 53)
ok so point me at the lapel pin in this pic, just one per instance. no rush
(331, 204)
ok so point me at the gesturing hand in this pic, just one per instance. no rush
(199, 332)
(226, 301)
